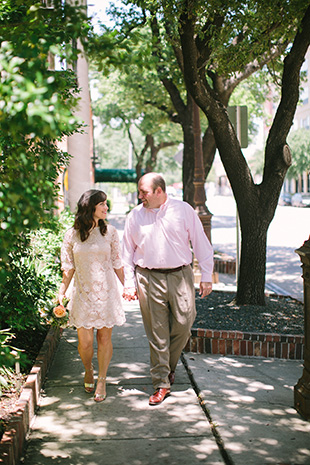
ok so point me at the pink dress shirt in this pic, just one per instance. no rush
(161, 239)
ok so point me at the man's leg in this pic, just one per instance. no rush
(183, 311)
(152, 292)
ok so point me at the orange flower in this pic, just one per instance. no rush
(59, 311)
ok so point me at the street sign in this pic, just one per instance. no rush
(238, 116)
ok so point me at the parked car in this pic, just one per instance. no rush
(285, 198)
(301, 199)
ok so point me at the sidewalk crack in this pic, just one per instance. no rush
(218, 439)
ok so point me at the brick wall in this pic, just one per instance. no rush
(14, 437)
(207, 341)
(226, 265)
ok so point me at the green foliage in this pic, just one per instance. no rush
(235, 39)
(299, 142)
(125, 108)
(46, 244)
(24, 292)
(36, 110)
(256, 162)
(8, 353)
(33, 276)
(236, 32)
(252, 93)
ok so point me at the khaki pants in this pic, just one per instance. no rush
(167, 303)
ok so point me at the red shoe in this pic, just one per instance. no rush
(159, 395)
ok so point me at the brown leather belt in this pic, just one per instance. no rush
(163, 270)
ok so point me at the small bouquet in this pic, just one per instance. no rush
(56, 316)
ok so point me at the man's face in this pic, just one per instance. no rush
(149, 198)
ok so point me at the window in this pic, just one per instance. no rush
(305, 123)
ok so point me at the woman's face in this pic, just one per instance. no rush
(100, 212)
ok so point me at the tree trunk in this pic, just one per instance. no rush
(208, 150)
(188, 168)
(251, 280)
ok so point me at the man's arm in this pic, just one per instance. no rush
(129, 291)
(202, 247)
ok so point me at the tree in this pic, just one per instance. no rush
(218, 45)
(132, 48)
(121, 104)
(256, 203)
(36, 111)
(143, 22)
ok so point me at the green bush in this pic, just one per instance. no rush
(46, 244)
(23, 292)
(33, 276)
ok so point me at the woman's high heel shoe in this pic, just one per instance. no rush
(89, 387)
(100, 397)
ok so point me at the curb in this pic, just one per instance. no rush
(13, 440)
(208, 341)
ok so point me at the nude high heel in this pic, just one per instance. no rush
(100, 397)
(89, 387)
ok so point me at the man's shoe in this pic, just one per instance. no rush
(171, 377)
(159, 395)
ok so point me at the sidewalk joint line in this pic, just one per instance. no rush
(218, 439)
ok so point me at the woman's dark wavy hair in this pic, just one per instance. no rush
(84, 220)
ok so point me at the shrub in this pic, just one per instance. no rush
(33, 276)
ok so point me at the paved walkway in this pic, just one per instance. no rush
(244, 413)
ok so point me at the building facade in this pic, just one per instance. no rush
(301, 184)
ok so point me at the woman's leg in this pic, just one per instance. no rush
(86, 351)
(104, 354)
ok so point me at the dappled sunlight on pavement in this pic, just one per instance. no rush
(251, 402)
(71, 428)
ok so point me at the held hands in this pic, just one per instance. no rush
(205, 289)
(130, 293)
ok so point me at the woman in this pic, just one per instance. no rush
(90, 253)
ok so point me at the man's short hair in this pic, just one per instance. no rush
(158, 181)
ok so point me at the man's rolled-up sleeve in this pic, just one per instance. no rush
(202, 247)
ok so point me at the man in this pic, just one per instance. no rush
(157, 263)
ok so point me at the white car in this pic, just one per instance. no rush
(301, 199)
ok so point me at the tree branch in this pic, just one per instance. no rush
(169, 85)
(290, 88)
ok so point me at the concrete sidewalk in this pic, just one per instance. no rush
(70, 428)
(243, 415)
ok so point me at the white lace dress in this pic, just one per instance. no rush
(95, 300)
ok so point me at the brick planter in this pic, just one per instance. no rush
(13, 439)
(224, 264)
(207, 341)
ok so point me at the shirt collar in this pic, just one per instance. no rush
(162, 206)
